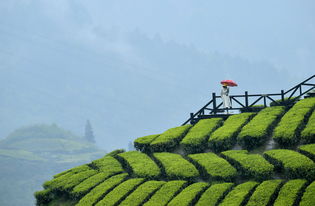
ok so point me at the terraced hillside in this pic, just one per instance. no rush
(263, 158)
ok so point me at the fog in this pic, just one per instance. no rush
(135, 68)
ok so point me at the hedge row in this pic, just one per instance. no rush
(175, 166)
(167, 192)
(225, 137)
(308, 198)
(197, 137)
(169, 139)
(214, 194)
(260, 127)
(265, 193)
(251, 165)
(294, 164)
(98, 192)
(139, 164)
(308, 150)
(289, 127)
(142, 193)
(74, 170)
(119, 193)
(213, 166)
(189, 195)
(308, 134)
(43, 197)
(107, 164)
(239, 195)
(290, 193)
(143, 143)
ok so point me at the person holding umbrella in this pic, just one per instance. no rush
(225, 93)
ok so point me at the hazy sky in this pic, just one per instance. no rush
(282, 32)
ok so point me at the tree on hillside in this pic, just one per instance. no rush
(89, 136)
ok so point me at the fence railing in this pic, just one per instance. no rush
(246, 101)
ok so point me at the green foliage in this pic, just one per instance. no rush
(289, 127)
(308, 150)
(115, 196)
(214, 194)
(239, 194)
(143, 143)
(290, 192)
(197, 137)
(225, 137)
(285, 102)
(188, 196)
(43, 197)
(76, 179)
(259, 128)
(265, 193)
(308, 134)
(107, 164)
(140, 164)
(308, 198)
(214, 167)
(294, 164)
(251, 165)
(85, 186)
(101, 190)
(142, 193)
(175, 166)
(115, 152)
(169, 139)
(166, 193)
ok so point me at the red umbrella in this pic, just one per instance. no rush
(230, 83)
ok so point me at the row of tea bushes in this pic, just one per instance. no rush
(308, 134)
(139, 164)
(308, 150)
(197, 138)
(168, 140)
(260, 127)
(250, 165)
(214, 194)
(174, 166)
(107, 164)
(293, 164)
(224, 137)
(143, 143)
(291, 124)
(213, 167)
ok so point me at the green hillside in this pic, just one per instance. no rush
(258, 158)
(31, 155)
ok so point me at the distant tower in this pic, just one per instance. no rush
(89, 136)
(130, 146)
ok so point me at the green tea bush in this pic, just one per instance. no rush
(107, 164)
(214, 194)
(308, 198)
(197, 137)
(169, 139)
(143, 143)
(288, 130)
(119, 193)
(142, 193)
(98, 192)
(308, 133)
(290, 193)
(294, 164)
(167, 192)
(213, 166)
(239, 195)
(265, 193)
(175, 166)
(139, 164)
(225, 137)
(189, 195)
(85, 186)
(76, 179)
(308, 150)
(251, 165)
(74, 170)
(259, 128)
(43, 197)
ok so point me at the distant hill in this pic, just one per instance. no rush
(32, 154)
(266, 157)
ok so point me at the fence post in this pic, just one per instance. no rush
(191, 118)
(214, 102)
(246, 99)
(282, 95)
